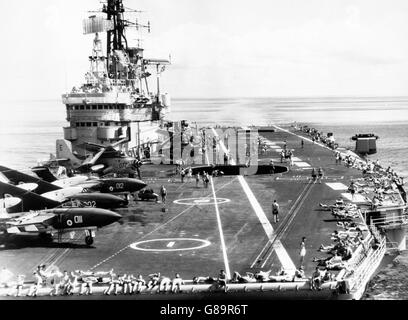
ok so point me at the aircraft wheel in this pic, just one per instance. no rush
(89, 240)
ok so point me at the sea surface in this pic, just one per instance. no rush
(28, 130)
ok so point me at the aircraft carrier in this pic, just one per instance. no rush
(227, 224)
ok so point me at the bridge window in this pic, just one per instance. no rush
(94, 124)
(100, 107)
(81, 107)
(88, 107)
(94, 107)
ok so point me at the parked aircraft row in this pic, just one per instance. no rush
(60, 206)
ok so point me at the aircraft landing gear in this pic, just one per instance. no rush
(89, 240)
(89, 237)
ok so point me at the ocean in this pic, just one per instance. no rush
(28, 130)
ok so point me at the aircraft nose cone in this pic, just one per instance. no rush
(111, 217)
(141, 184)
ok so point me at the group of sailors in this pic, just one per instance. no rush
(318, 136)
(383, 181)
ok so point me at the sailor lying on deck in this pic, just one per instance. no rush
(248, 278)
(334, 263)
(281, 276)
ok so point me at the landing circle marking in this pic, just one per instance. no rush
(201, 201)
(164, 245)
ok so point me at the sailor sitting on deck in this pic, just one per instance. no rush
(138, 283)
(299, 274)
(222, 280)
(164, 284)
(154, 280)
(176, 283)
(316, 280)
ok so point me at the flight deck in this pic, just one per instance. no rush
(227, 226)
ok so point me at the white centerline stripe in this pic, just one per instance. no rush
(217, 211)
(223, 247)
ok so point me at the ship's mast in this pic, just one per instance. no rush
(116, 39)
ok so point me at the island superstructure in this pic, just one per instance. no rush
(117, 101)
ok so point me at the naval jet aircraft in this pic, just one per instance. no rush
(104, 159)
(47, 223)
(54, 190)
(28, 200)
(118, 186)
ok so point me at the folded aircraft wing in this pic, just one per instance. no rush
(30, 222)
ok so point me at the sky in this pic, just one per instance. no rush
(219, 48)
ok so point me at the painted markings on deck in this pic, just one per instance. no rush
(302, 164)
(201, 201)
(337, 186)
(358, 198)
(281, 252)
(168, 245)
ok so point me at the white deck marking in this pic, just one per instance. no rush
(358, 198)
(171, 244)
(337, 186)
(296, 159)
(282, 254)
(217, 211)
(223, 247)
(274, 147)
(302, 164)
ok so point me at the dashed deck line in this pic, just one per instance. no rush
(337, 186)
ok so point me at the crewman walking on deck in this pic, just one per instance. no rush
(320, 175)
(314, 175)
(272, 165)
(302, 143)
(163, 193)
(197, 178)
(352, 189)
(302, 252)
(275, 211)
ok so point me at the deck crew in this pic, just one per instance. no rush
(37, 284)
(222, 280)
(302, 252)
(138, 284)
(20, 284)
(176, 283)
(163, 194)
(275, 211)
(320, 175)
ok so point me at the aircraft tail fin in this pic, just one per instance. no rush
(64, 151)
(44, 173)
(29, 200)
